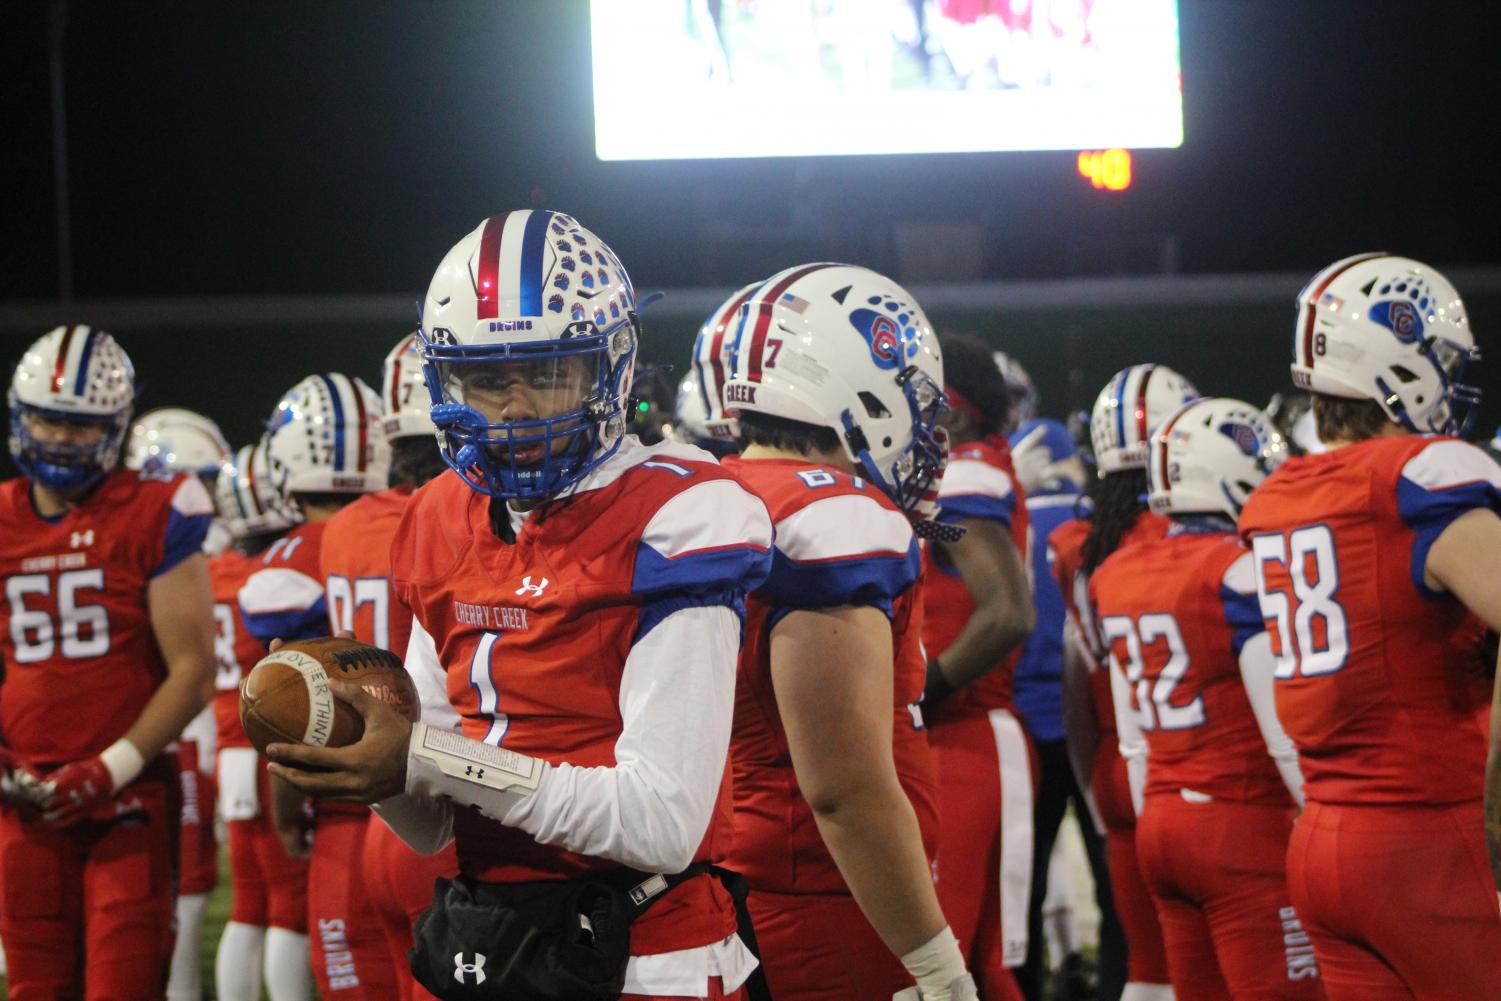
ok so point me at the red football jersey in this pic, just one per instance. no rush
(838, 541)
(236, 649)
(356, 558)
(534, 635)
(80, 660)
(1174, 615)
(1372, 686)
(980, 482)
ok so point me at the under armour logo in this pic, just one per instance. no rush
(475, 969)
(473, 772)
(527, 587)
(86, 538)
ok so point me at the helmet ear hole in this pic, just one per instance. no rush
(1404, 374)
(874, 408)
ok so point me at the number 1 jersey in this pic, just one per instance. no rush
(1378, 680)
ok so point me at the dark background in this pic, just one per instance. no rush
(293, 148)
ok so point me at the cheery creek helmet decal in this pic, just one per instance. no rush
(1400, 317)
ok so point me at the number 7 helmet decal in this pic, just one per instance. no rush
(1388, 329)
(842, 347)
(403, 389)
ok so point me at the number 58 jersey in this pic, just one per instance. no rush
(80, 660)
(1376, 681)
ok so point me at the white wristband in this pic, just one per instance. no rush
(492, 779)
(936, 964)
(123, 762)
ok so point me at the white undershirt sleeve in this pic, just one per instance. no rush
(1132, 743)
(1257, 666)
(649, 810)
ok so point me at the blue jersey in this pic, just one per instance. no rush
(1038, 686)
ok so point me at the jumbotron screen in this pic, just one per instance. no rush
(693, 79)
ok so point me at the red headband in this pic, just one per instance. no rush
(958, 401)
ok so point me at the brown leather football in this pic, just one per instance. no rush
(286, 698)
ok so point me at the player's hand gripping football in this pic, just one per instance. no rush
(371, 769)
(19, 786)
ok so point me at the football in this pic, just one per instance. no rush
(286, 697)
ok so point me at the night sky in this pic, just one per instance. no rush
(303, 147)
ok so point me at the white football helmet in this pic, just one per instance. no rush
(325, 437)
(703, 391)
(529, 299)
(408, 409)
(841, 347)
(171, 438)
(1388, 329)
(1130, 407)
(1210, 455)
(77, 374)
(1024, 400)
(245, 497)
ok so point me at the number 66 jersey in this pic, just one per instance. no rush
(79, 658)
(1374, 685)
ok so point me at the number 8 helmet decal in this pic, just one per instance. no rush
(1130, 407)
(529, 299)
(80, 375)
(1388, 329)
(1210, 455)
(842, 347)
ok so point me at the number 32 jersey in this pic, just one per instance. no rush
(1376, 682)
(80, 660)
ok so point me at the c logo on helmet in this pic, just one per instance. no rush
(1400, 317)
(882, 334)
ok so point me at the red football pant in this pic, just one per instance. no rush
(1398, 900)
(1218, 873)
(102, 891)
(270, 887)
(986, 786)
(348, 945)
(820, 947)
(399, 884)
(198, 864)
(1146, 958)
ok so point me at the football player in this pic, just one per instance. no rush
(836, 381)
(1191, 670)
(106, 635)
(1370, 560)
(393, 882)
(1023, 393)
(324, 448)
(977, 613)
(267, 927)
(170, 439)
(1132, 404)
(576, 600)
(1052, 477)
(700, 418)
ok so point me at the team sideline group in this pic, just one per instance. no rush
(788, 704)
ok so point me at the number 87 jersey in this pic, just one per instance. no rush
(1376, 682)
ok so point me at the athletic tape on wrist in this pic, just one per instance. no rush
(471, 762)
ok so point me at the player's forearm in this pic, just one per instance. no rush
(993, 631)
(873, 836)
(181, 696)
(1081, 729)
